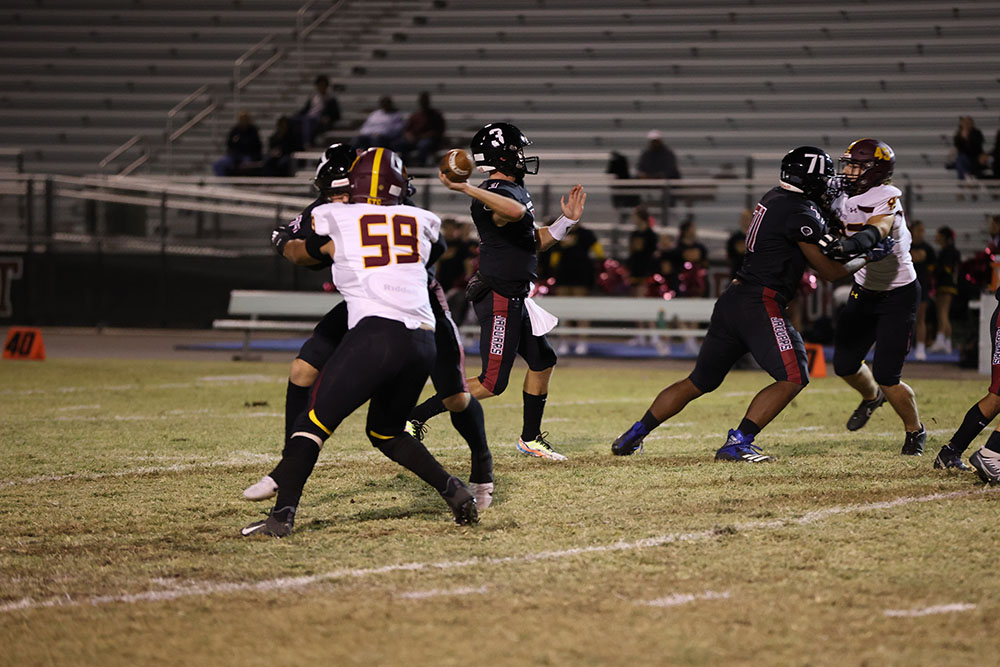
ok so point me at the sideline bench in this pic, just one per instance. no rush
(623, 314)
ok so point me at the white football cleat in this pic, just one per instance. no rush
(483, 493)
(262, 490)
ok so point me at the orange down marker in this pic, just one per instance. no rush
(24, 343)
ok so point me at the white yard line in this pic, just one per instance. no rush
(678, 599)
(928, 611)
(203, 589)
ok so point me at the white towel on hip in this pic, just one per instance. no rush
(542, 321)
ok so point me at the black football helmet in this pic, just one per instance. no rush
(331, 172)
(378, 177)
(876, 160)
(500, 147)
(808, 169)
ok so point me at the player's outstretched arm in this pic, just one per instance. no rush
(504, 209)
(572, 208)
(827, 268)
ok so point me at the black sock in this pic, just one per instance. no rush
(993, 444)
(429, 408)
(973, 424)
(296, 400)
(534, 408)
(291, 473)
(408, 452)
(470, 425)
(649, 422)
(747, 427)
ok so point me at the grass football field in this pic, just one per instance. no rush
(120, 512)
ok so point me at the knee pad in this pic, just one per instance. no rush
(546, 360)
(498, 386)
(843, 369)
(885, 379)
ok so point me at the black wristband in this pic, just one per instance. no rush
(313, 244)
(863, 241)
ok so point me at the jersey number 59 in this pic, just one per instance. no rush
(404, 240)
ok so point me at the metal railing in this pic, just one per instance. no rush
(173, 135)
(138, 141)
(302, 31)
(239, 81)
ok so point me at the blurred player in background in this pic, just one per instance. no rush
(750, 316)
(986, 461)
(882, 307)
(300, 244)
(511, 324)
(380, 250)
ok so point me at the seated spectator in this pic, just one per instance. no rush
(242, 147)
(657, 160)
(423, 133)
(970, 156)
(280, 147)
(383, 127)
(319, 113)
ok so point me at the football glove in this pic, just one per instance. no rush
(832, 247)
(281, 235)
(882, 250)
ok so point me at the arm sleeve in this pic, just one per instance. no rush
(313, 244)
(437, 249)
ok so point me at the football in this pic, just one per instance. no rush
(457, 165)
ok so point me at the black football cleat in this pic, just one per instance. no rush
(914, 443)
(949, 460)
(987, 464)
(277, 524)
(864, 411)
(461, 501)
(630, 442)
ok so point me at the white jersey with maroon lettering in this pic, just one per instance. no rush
(380, 258)
(897, 269)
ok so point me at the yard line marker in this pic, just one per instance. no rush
(927, 611)
(436, 592)
(678, 599)
(202, 589)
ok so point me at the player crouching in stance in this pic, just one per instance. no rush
(508, 243)
(986, 461)
(750, 315)
(882, 307)
(380, 249)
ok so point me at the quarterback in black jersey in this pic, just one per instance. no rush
(750, 315)
(508, 263)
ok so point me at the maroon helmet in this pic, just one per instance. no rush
(378, 177)
(876, 160)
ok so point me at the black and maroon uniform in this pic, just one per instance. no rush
(750, 315)
(508, 263)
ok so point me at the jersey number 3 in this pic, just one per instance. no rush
(404, 240)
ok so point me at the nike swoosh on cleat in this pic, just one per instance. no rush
(249, 530)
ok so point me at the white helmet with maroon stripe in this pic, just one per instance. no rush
(378, 176)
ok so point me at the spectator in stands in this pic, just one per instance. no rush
(923, 255)
(736, 244)
(319, 113)
(945, 286)
(280, 147)
(618, 167)
(242, 147)
(642, 244)
(692, 261)
(383, 127)
(993, 229)
(657, 160)
(573, 265)
(423, 133)
(996, 155)
(970, 157)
